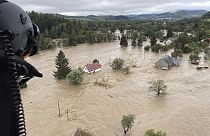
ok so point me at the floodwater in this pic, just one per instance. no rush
(184, 111)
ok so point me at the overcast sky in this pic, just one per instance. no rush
(110, 7)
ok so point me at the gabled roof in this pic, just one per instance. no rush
(168, 59)
(92, 67)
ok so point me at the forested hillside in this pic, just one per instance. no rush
(73, 32)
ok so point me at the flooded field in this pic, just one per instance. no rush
(184, 111)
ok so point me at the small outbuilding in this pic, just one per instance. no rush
(166, 62)
(92, 68)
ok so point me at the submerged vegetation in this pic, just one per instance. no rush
(183, 36)
(159, 87)
(76, 76)
(127, 122)
(124, 41)
(152, 132)
(117, 63)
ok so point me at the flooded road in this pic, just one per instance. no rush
(184, 111)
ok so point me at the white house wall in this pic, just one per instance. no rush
(85, 70)
(97, 70)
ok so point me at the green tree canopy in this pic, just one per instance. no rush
(158, 86)
(117, 63)
(133, 43)
(153, 40)
(206, 15)
(169, 33)
(177, 53)
(194, 57)
(156, 48)
(95, 61)
(147, 48)
(76, 76)
(140, 41)
(46, 43)
(127, 122)
(124, 41)
(62, 67)
(152, 132)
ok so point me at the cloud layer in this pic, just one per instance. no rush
(110, 7)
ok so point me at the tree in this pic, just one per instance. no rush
(194, 57)
(206, 15)
(121, 28)
(152, 132)
(140, 42)
(154, 45)
(75, 76)
(46, 43)
(124, 41)
(61, 63)
(90, 36)
(159, 34)
(112, 29)
(204, 45)
(156, 48)
(158, 86)
(207, 52)
(169, 33)
(153, 40)
(72, 40)
(148, 33)
(127, 122)
(201, 35)
(147, 48)
(133, 43)
(182, 41)
(164, 48)
(95, 61)
(117, 63)
(177, 53)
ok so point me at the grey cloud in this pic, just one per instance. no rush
(84, 7)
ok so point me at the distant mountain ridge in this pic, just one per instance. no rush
(180, 14)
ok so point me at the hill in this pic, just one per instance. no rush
(178, 15)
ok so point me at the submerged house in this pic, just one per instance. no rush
(166, 62)
(92, 68)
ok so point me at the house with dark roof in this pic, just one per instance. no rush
(166, 62)
(92, 68)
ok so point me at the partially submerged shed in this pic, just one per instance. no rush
(166, 62)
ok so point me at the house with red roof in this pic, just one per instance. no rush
(92, 68)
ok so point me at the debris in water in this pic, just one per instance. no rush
(81, 132)
(110, 96)
(106, 82)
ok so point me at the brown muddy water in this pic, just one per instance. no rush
(184, 111)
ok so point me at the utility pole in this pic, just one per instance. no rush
(59, 110)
